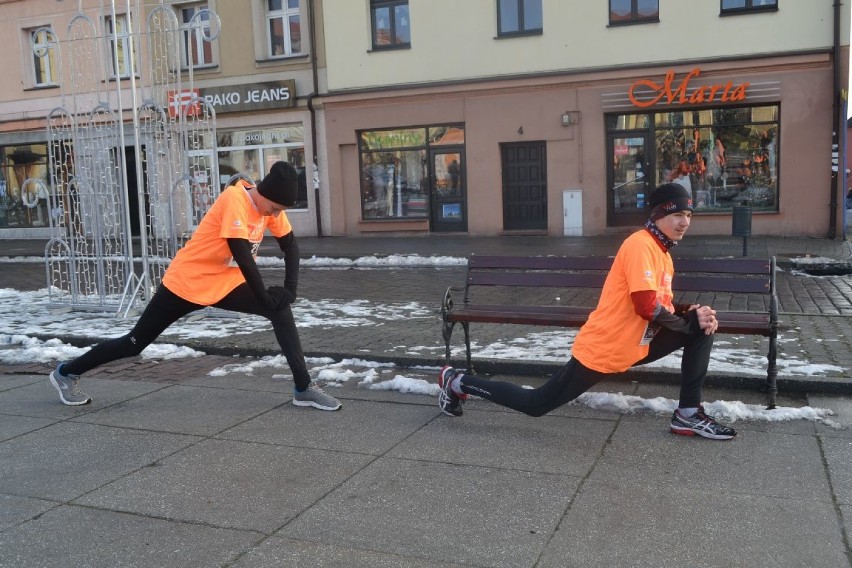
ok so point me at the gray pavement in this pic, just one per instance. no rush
(172, 467)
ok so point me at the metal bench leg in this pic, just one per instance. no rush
(772, 372)
(466, 327)
(447, 332)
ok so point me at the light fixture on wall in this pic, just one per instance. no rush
(521, 130)
(570, 118)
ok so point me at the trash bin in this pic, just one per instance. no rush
(741, 226)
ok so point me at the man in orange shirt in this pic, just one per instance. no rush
(634, 323)
(217, 268)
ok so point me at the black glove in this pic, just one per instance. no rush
(280, 297)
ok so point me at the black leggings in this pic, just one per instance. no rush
(165, 308)
(573, 379)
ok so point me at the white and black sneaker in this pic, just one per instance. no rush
(449, 402)
(699, 424)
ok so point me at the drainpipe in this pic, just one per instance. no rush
(835, 139)
(315, 78)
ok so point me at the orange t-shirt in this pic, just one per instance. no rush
(204, 271)
(615, 337)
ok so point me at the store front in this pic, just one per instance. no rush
(247, 144)
(415, 174)
(744, 132)
(724, 157)
(24, 183)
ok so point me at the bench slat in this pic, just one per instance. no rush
(707, 283)
(540, 262)
(572, 316)
(723, 265)
(535, 279)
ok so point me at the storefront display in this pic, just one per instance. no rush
(725, 156)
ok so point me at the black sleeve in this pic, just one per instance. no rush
(687, 323)
(290, 248)
(241, 251)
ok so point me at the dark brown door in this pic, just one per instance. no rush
(524, 186)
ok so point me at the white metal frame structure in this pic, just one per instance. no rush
(89, 260)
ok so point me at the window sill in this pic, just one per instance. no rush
(41, 88)
(279, 59)
(633, 23)
(381, 48)
(528, 33)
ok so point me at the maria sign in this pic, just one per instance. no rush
(645, 92)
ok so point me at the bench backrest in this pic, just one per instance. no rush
(745, 275)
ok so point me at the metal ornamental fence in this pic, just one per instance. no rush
(167, 173)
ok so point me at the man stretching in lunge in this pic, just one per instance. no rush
(634, 323)
(217, 268)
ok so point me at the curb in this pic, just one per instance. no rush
(533, 370)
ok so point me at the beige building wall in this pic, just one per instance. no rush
(456, 40)
(516, 89)
(240, 54)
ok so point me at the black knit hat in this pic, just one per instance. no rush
(669, 198)
(280, 184)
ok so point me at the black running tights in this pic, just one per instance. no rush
(165, 308)
(573, 379)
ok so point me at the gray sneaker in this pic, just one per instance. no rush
(69, 392)
(314, 396)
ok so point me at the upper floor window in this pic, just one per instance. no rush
(633, 11)
(120, 46)
(740, 6)
(519, 17)
(391, 23)
(195, 50)
(43, 43)
(285, 27)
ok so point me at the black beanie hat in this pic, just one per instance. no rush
(280, 184)
(669, 198)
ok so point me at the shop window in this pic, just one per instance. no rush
(24, 184)
(633, 11)
(725, 156)
(745, 6)
(196, 51)
(396, 169)
(249, 154)
(519, 17)
(391, 23)
(285, 28)
(43, 45)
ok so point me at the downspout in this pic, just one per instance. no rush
(835, 138)
(315, 78)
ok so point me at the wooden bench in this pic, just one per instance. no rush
(745, 287)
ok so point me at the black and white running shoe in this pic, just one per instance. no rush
(449, 402)
(700, 424)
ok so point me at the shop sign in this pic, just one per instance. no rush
(644, 92)
(253, 96)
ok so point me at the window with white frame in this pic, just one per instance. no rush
(195, 50)
(120, 46)
(285, 27)
(43, 44)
